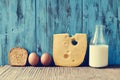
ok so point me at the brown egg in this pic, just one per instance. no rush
(46, 59)
(33, 59)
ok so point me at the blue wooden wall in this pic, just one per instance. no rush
(32, 23)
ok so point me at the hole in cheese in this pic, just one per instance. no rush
(66, 55)
(67, 51)
(74, 42)
(73, 60)
(66, 43)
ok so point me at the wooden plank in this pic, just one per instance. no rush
(112, 27)
(41, 27)
(21, 29)
(22, 24)
(4, 16)
(52, 18)
(111, 30)
(17, 18)
(64, 16)
(118, 36)
(4, 19)
(16, 26)
(92, 9)
(3, 69)
(30, 26)
(32, 23)
(58, 73)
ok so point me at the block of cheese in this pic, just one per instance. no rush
(17, 57)
(69, 51)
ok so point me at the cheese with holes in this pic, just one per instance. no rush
(69, 51)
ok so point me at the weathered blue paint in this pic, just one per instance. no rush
(108, 11)
(32, 23)
(17, 23)
(41, 27)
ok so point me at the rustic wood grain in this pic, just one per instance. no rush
(32, 23)
(118, 35)
(30, 26)
(105, 12)
(58, 73)
(4, 14)
(17, 18)
(41, 27)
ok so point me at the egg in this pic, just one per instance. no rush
(46, 59)
(33, 59)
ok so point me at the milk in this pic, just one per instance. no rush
(98, 55)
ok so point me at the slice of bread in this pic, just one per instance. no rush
(17, 57)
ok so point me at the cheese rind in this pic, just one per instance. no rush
(65, 53)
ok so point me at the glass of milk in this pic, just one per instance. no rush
(98, 52)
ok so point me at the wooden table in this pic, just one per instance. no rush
(58, 73)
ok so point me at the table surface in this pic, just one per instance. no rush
(59, 73)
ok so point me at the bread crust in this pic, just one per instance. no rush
(17, 56)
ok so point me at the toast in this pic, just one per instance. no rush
(17, 57)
